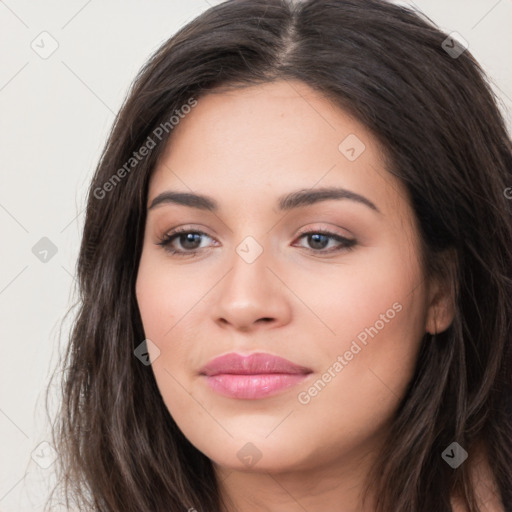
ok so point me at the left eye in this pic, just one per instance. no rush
(319, 240)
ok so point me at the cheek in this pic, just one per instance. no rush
(163, 298)
(163, 304)
(377, 309)
(170, 305)
(368, 365)
(352, 296)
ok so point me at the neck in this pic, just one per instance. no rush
(333, 486)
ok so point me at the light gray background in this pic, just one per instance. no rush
(55, 114)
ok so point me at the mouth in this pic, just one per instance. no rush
(252, 377)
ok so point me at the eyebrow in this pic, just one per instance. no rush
(297, 199)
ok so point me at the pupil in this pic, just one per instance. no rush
(191, 238)
(318, 241)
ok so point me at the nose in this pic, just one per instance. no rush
(252, 297)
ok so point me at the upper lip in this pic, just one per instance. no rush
(254, 364)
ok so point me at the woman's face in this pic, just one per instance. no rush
(257, 273)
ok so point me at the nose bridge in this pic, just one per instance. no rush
(249, 276)
(250, 291)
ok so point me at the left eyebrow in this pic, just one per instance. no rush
(306, 197)
(297, 199)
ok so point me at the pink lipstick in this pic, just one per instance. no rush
(252, 377)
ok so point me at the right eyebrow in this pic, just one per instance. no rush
(185, 199)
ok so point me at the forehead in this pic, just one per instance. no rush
(264, 140)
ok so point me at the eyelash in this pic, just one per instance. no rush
(165, 242)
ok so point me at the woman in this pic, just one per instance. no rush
(295, 274)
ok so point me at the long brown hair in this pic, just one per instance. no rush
(438, 120)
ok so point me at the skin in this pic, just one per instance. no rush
(245, 148)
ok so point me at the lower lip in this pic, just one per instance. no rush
(253, 387)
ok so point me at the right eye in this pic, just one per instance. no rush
(190, 241)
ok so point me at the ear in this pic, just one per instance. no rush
(442, 295)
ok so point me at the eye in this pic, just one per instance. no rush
(318, 241)
(189, 240)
